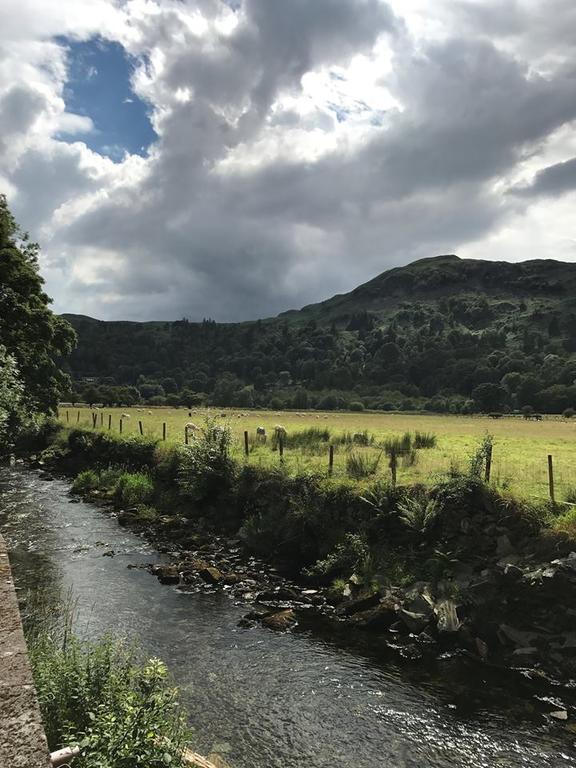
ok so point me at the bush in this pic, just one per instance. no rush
(86, 481)
(355, 438)
(359, 465)
(424, 440)
(120, 709)
(134, 488)
(568, 413)
(206, 469)
(356, 405)
(306, 438)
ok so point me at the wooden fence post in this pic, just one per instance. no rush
(140, 428)
(67, 417)
(94, 418)
(281, 447)
(246, 446)
(120, 425)
(186, 435)
(109, 421)
(331, 460)
(551, 478)
(78, 417)
(488, 464)
(164, 430)
(101, 418)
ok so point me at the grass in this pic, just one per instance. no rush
(519, 462)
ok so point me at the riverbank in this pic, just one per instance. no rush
(458, 566)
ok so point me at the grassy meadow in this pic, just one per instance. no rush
(520, 450)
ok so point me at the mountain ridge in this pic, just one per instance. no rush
(441, 333)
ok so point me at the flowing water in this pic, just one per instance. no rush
(265, 700)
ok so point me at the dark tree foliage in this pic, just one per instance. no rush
(440, 334)
(29, 330)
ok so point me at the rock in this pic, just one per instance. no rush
(232, 578)
(359, 604)
(379, 618)
(166, 574)
(515, 636)
(415, 622)
(211, 575)
(245, 623)
(559, 714)
(448, 620)
(513, 573)
(280, 620)
(481, 648)
(108, 553)
(503, 546)
(528, 651)
(422, 603)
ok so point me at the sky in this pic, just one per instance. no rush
(232, 160)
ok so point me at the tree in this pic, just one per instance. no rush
(11, 398)
(489, 397)
(29, 331)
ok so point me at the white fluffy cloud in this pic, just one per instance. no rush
(303, 146)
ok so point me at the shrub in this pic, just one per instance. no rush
(86, 482)
(206, 469)
(355, 438)
(360, 465)
(134, 488)
(356, 405)
(424, 440)
(418, 513)
(121, 710)
(568, 413)
(310, 438)
(566, 523)
(346, 557)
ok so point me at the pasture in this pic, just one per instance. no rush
(520, 452)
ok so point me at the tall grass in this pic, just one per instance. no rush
(134, 488)
(361, 465)
(424, 440)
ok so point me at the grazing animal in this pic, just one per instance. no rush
(125, 416)
(190, 427)
(260, 431)
(149, 413)
(279, 431)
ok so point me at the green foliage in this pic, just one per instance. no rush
(361, 465)
(134, 489)
(363, 438)
(347, 557)
(418, 513)
(424, 440)
(478, 459)
(86, 481)
(32, 335)
(306, 439)
(356, 405)
(120, 709)
(12, 411)
(207, 470)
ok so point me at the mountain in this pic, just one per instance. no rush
(441, 333)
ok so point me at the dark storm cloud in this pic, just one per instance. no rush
(552, 181)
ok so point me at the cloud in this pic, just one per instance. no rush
(552, 181)
(302, 147)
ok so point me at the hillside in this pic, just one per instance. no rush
(441, 333)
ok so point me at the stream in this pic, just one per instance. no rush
(313, 697)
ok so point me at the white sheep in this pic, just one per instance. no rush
(125, 416)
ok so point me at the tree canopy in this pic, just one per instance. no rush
(32, 336)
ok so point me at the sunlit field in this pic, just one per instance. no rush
(520, 451)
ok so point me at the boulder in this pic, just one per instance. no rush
(280, 620)
(211, 575)
(414, 622)
(362, 603)
(378, 619)
(166, 574)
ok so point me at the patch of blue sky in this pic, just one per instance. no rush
(99, 87)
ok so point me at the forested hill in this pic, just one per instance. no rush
(441, 333)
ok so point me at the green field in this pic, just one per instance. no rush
(520, 447)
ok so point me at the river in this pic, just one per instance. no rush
(262, 699)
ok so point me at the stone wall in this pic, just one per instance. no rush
(22, 739)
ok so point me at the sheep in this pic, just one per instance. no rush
(261, 431)
(280, 431)
(125, 416)
(190, 427)
(149, 413)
